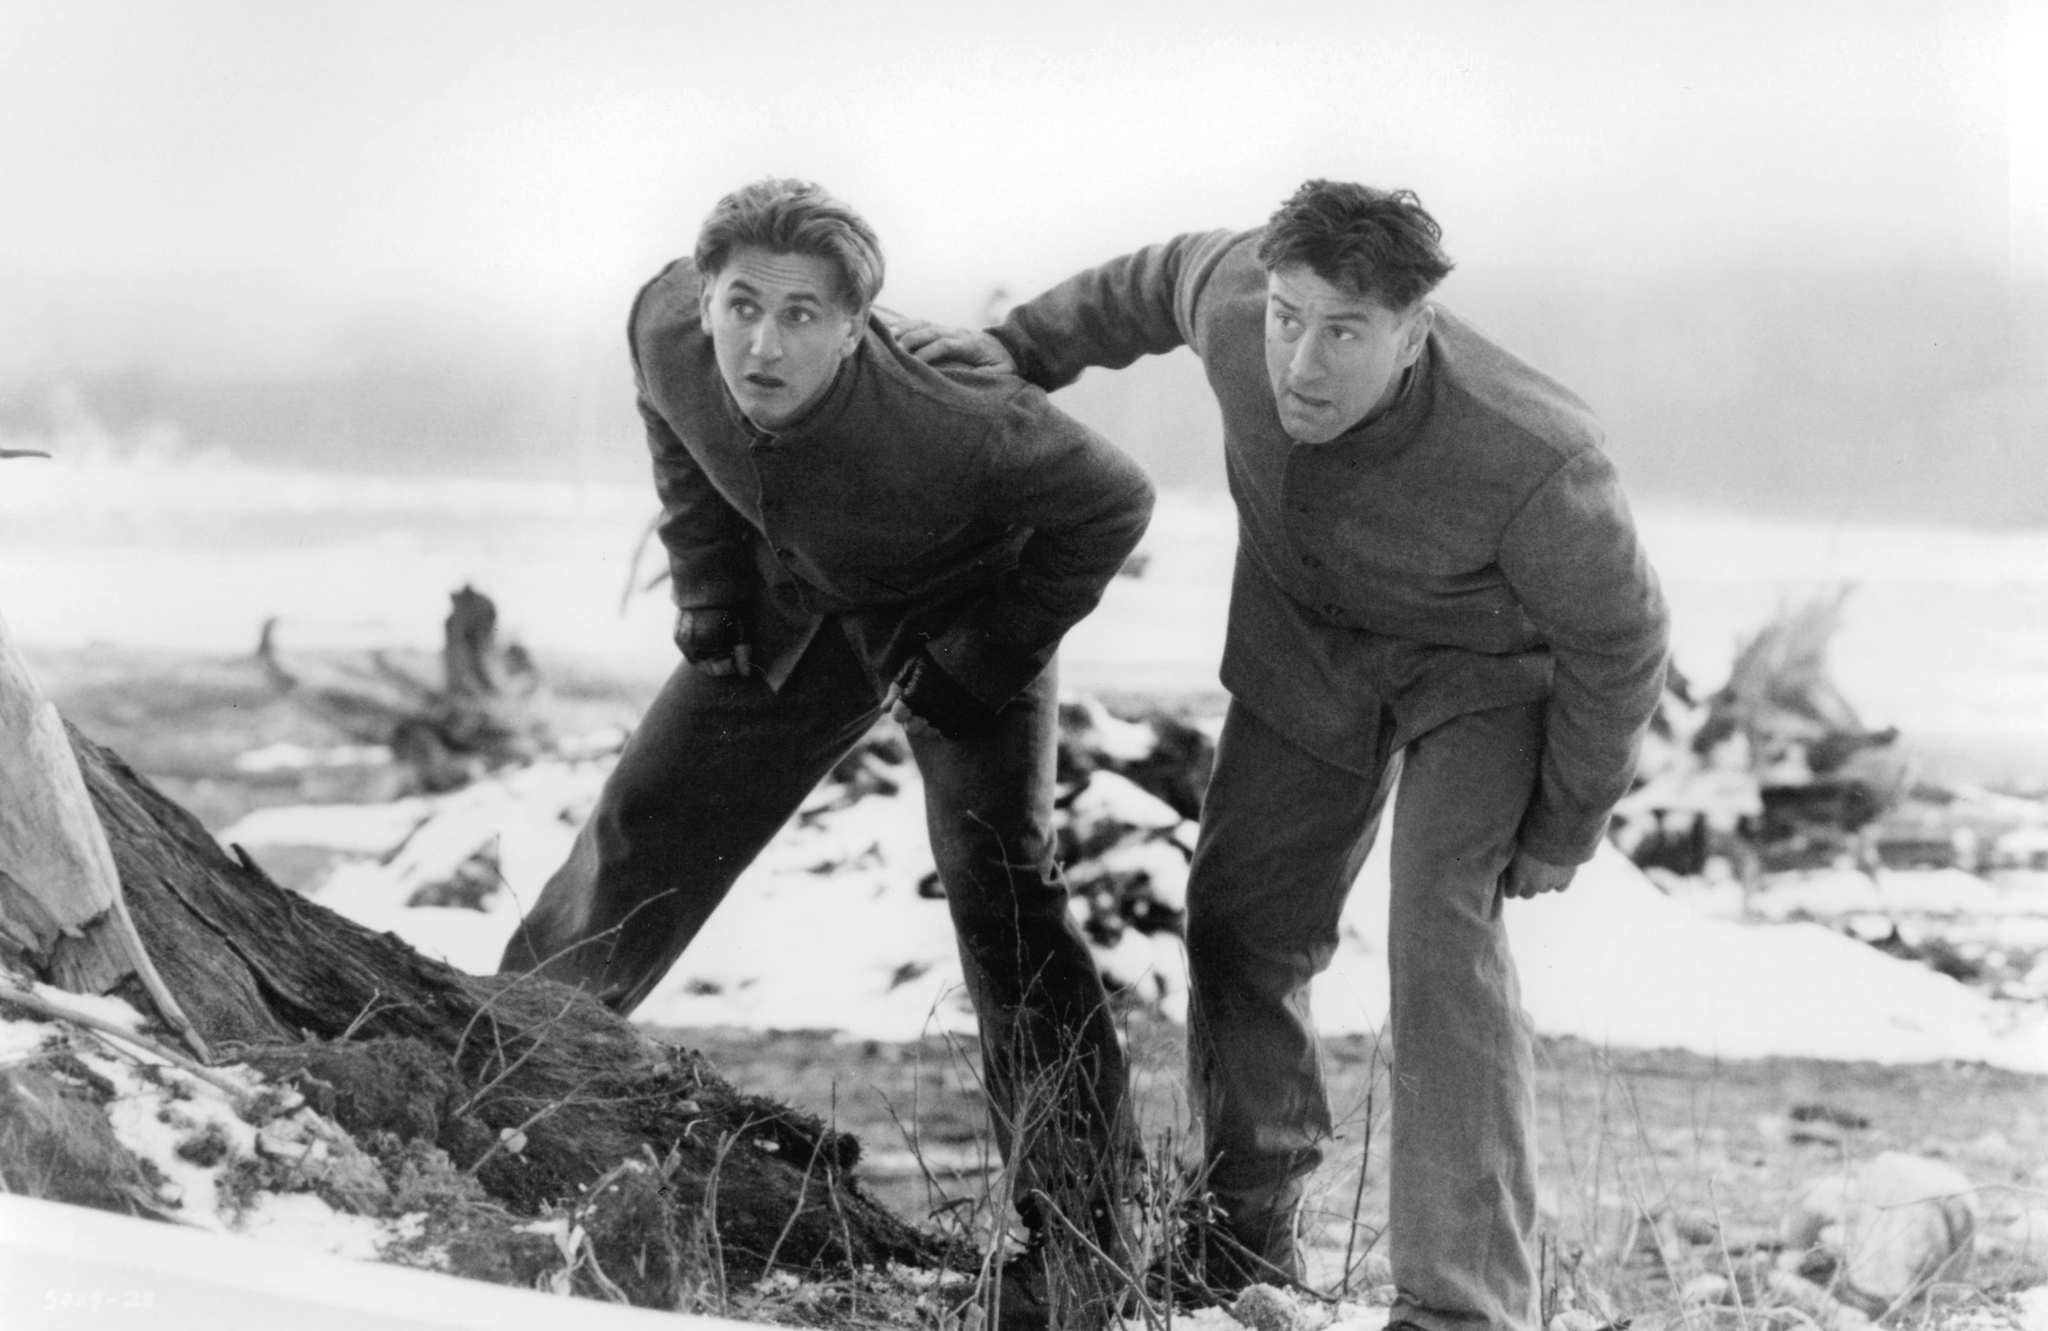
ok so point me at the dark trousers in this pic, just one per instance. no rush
(715, 769)
(1283, 838)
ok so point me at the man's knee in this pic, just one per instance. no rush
(1003, 887)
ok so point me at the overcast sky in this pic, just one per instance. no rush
(237, 185)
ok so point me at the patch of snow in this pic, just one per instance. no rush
(1117, 739)
(1163, 863)
(283, 757)
(304, 1221)
(156, 1109)
(2033, 1308)
(18, 1038)
(114, 1011)
(362, 829)
(1110, 797)
(1615, 961)
(1947, 892)
(152, 1121)
(1818, 892)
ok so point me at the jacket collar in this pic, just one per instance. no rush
(1397, 423)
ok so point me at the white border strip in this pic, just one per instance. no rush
(69, 1266)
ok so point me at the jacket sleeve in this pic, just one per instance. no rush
(709, 562)
(1086, 505)
(1139, 305)
(1572, 557)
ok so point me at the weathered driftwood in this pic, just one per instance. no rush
(482, 716)
(61, 909)
(531, 1087)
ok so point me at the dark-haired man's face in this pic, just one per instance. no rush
(1334, 357)
(779, 332)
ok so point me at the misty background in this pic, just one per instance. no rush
(1794, 254)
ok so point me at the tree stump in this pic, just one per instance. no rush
(483, 715)
(545, 1096)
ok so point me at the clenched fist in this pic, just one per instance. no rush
(717, 640)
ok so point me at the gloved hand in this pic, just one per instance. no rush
(717, 640)
(926, 699)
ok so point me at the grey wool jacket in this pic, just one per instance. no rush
(1467, 548)
(952, 509)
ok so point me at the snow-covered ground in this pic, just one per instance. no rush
(828, 931)
(1946, 637)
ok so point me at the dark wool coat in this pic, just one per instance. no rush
(954, 508)
(1468, 548)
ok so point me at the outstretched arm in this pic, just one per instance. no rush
(1140, 304)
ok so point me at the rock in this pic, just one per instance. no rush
(1696, 1228)
(1705, 1289)
(1264, 1308)
(1578, 1319)
(1891, 1223)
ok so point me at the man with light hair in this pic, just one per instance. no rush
(851, 531)
(1437, 577)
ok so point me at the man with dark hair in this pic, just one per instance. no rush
(850, 531)
(1437, 577)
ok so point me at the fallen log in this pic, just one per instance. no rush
(483, 715)
(546, 1098)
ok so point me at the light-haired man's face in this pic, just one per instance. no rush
(779, 332)
(1332, 356)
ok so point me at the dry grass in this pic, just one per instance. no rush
(1657, 1166)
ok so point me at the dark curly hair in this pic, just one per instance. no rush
(1379, 243)
(795, 217)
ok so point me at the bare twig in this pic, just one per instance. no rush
(59, 1011)
(1358, 1193)
(517, 1063)
(531, 1119)
(1115, 1267)
(802, 1193)
(369, 1010)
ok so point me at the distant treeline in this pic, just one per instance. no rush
(1854, 395)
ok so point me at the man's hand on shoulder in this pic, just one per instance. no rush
(716, 639)
(939, 344)
(928, 701)
(1527, 876)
